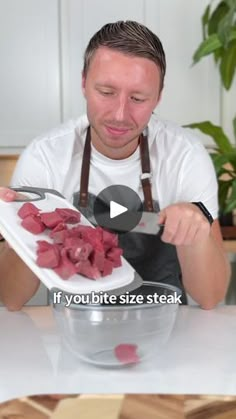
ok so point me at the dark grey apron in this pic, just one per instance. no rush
(153, 259)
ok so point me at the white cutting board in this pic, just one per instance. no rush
(24, 244)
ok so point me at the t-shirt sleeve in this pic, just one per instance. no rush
(31, 169)
(197, 180)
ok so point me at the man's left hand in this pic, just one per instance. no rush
(184, 224)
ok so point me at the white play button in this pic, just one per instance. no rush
(116, 209)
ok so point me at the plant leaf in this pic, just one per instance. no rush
(231, 4)
(225, 28)
(224, 167)
(218, 54)
(231, 199)
(223, 193)
(216, 133)
(228, 65)
(217, 15)
(219, 160)
(234, 127)
(232, 34)
(232, 159)
(209, 45)
(205, 19)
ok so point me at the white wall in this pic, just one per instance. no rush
(192, 93)
(41, 51)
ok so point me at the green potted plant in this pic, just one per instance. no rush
(219, 40)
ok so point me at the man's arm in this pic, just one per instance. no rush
(204, 265)
(205, 269)
(17, 282)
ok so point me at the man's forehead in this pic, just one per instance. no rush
(104, 53)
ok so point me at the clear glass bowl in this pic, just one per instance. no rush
(119, 334)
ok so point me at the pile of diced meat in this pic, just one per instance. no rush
(92, 252)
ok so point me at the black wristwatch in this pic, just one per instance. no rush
(204, 210)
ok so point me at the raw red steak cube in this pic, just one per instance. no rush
(85, 251)
(72, 241)
(99, 233)
(59, 227)
(107, 268)
(60, 236)
(97, 258)
(27, 209)
(93, 237)
(87, 269)
(66, 268)
(80, 252)
(109, 239)
(126, 353)
(33, 224)
(78, 230)
(51, 219)
(43, 245)
(115, 256)
(69, 215)
(49, 258)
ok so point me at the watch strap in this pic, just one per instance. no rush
(204, 210)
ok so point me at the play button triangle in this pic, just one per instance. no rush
(116, 209)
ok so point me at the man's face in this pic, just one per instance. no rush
(121, 93)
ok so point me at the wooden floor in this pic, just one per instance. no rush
(134, 407)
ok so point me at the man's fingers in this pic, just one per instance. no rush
(161, 217)
(7, 194)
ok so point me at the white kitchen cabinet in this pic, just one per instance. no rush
(29, 71)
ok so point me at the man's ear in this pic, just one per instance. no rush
(83, 82)
(159, 97)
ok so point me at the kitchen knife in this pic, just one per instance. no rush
(148, 224)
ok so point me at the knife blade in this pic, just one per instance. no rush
(148, 224)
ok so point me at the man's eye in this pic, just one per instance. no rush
(137, 99)
(105, 93)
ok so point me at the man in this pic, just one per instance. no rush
(122, 81)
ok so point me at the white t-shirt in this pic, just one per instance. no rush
(182, 170)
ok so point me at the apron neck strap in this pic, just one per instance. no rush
(84, 178)
(145, 177)
(146, 172)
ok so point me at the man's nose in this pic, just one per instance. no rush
(121, 109)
